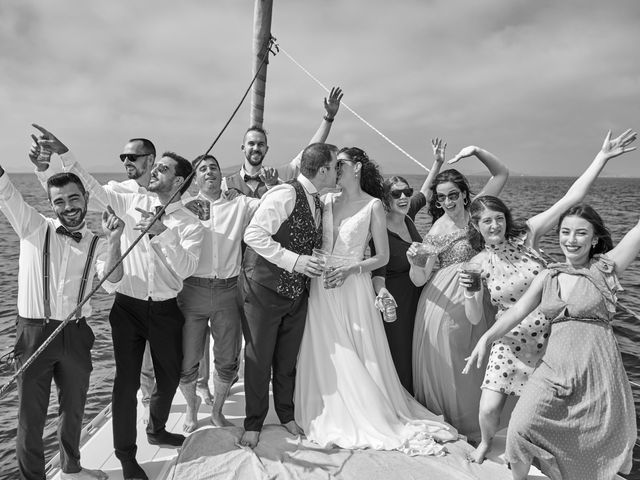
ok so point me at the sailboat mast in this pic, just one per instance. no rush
(261, 37)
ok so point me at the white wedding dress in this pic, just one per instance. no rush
(347, 390)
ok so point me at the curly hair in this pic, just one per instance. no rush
(514, 228)
(588, 213)
(459, 180)
(371, 180)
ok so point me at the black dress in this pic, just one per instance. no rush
(406, 294)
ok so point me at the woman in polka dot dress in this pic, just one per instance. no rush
(510, 262)
(576, 412)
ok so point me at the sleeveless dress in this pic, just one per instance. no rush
(576, 412)
(508, 269)
(443, 337)
(347, 390)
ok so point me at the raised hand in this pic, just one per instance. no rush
(269, 176)
(332, 104)
(112, 226)
(469, 151)
(618, 146)
(50, 141)
(34, 155)
(156, 229)
(438, 149)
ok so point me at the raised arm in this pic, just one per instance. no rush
(100, 196)
(23, 217)
(438, 159)
(499, 172)
(545, 221)
(627, 250)
(511, 317)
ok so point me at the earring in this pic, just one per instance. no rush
(465, 201)
(438, 205)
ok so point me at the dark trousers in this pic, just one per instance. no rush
(272, 326)
(133, 323)
(66, 360)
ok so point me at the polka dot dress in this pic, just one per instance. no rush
(576, 412)
(509, 268)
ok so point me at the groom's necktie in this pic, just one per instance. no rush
(317, 215)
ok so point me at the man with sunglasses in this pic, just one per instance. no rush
(250, 180)
(138, 156)
(148, 311)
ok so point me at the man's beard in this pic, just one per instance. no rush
(75, 222)
(255, 163)
(135, 173)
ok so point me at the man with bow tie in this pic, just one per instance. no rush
(58, 260)
(145, 306)
(253, 178)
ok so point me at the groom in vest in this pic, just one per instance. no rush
(278, 264)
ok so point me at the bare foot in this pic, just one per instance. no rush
(250, 439)
(85, 474)
(191, 417)
(479, 453)
(145, 417)
(218, 420)
(205, 394)
(293, 428)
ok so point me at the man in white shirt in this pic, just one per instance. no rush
(250, 180)
(274, 284)
(148, 311)
(58, 260)
(211, 294)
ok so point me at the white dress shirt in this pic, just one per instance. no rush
(221, 254)
(276, 206)
(156, 267)
(67, 259)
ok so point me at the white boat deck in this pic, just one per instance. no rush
(159, 463)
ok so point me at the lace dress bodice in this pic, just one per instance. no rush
(353, 232)
(452, 247)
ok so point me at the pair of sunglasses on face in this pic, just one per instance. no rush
(453, 196)
(132, 157)
(396, 194)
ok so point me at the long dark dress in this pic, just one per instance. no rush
(406, 294)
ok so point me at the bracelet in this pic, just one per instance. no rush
(360, 269)
(465, 294)
(328, 119)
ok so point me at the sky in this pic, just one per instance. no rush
(538, 83)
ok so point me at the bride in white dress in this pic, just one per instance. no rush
(347, 390)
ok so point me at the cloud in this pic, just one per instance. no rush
(531, 81)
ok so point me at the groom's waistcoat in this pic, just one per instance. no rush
(299, 234)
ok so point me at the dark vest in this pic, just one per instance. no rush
(299, 234)
(237, 182)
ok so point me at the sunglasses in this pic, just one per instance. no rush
(453, 196)
(396, 194)
(132, 157)
(161, 168)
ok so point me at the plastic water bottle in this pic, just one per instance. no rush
(388, 310)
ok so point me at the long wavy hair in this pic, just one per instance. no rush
(459, 180)
(587, 212)
(371, 180)
(513, 228)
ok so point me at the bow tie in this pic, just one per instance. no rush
(77, 236)
(255, 178)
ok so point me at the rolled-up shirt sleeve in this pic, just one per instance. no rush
(275, 207)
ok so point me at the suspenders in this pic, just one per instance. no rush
(46, 276)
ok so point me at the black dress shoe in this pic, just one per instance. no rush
(132, 471)
(166, 439)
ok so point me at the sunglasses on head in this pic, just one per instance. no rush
(132, 157)
(453, 196)
(398, 193)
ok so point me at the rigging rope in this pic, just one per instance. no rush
(358, 116)
(71, 316)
